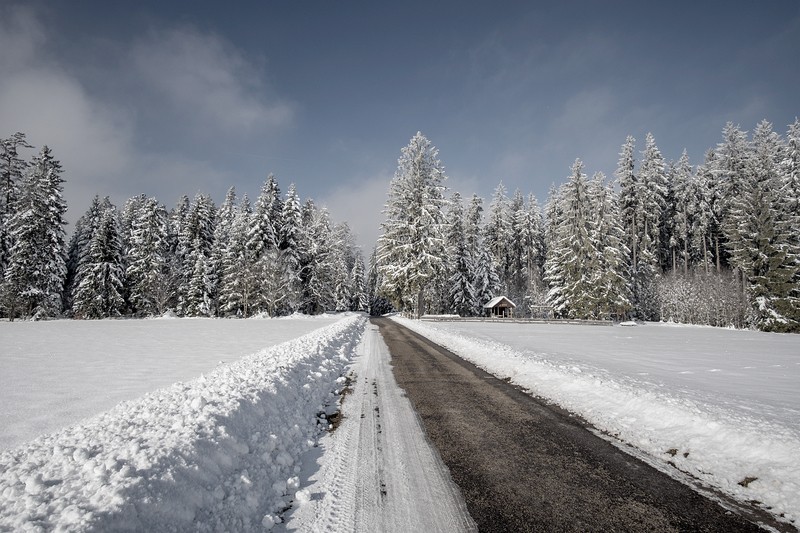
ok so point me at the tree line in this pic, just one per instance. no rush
(276, 257)
(717, 243)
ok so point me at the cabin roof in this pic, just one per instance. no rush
(497, 300)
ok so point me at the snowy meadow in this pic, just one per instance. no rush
(220, 451)
(55, 373)
(720, 405)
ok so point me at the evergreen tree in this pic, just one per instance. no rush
(629, 188)
(460, 269)
(481, 278)
(487, 282)
(148, 260)
(411, 250)
(498, 235)
(291, 224)
(531, 235)
(341, 265)
(226, 215)
(707, 222)
(574, 252)
(731, 175)
(129, 212)
(12, 170)
(78, 248)
(520, 237)
(760, 237)
(358, 297)
(240, 287)
(609, 280)
(790, 169)
(199, 290)
(683, 215)
(378, 304)
(314, 275)
(33, 281)
(195, 241)
(290, 239)
(99, 280)
(267, 218)
(652, 201)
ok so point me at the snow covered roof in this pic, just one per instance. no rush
(496, 300)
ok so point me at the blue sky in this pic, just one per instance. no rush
(171, 98)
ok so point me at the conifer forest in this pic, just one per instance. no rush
(715, 242)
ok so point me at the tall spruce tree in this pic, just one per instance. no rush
(628, 183)
(100, 276)
(147, 272)
(760, 236)
(195, 242)
(574, 255)
(683, 214)
(460, 267)
(264, 233)
(240, 291)
(411, 250)
(609, 279)
(498, 235)
(358, 295)
(12, 170)
(33, 281)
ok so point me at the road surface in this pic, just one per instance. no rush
(523, 465)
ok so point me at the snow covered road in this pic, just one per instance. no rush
(379, 472)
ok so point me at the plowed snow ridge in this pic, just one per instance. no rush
(220, 452)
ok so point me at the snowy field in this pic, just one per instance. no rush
(720, 405)
(220, 452)
(55, 373)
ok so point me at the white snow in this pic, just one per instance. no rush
(379, 472)
(220, 452)
(721, 405)
(55, 373)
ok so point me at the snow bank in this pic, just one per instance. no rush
(748, 456)
(219, 452)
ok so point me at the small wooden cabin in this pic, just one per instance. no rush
(500, 307)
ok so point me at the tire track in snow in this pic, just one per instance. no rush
(379, 472)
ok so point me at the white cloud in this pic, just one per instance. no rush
(208, 80)
(100, 140)
(361, 205)
(21, 37)
(53, 109)
(38, 97)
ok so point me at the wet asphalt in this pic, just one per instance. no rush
(524, 465)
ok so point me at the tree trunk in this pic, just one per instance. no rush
(634, 243)
(686, 256)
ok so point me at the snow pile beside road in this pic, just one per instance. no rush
(718, 441)
(217, 453)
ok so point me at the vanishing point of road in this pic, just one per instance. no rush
(523, 465)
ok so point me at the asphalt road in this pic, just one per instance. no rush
(523, 465)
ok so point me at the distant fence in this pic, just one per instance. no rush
(456, 318)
